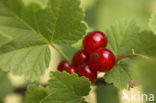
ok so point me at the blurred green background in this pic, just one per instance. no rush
(102, 13)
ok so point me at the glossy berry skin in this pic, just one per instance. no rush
(87, 71)
(102, 60)
(80, 57)
(70, 70)
(94, 40)
(64, 65)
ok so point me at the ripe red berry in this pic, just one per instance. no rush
(87, 71)
(70, 70)
(94, 40)
(80, 57)
(102, 60)
(64, 65)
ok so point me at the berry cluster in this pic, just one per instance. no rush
(92, 59)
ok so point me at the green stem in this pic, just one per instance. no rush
(60, 52)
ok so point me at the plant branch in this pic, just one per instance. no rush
(20, 90)
(130, 55)
(60, 52)
(126, 56)
(101, 81)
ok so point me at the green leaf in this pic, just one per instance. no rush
(4, 39)
(124, 38)
(32, 28)
(144, 43)
(152, 23)
(43, 3)
(143, 70)
(121, 36)
(125, 41)
(119, 76)
(66, 88)
(104, 94)
(35, 94)
(58, 27)
(5, 86)
(31, 61)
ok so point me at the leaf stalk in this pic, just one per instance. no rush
(60, 52)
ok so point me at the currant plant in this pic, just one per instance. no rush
(33, 29)
(29, 28)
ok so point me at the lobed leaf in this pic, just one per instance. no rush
(67, 88)
(35, 94)
(31, 62)
(119, 76)
(32, 28)
(125, 38)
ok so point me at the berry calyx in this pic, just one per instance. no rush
(79, 58)
(87, 71)
(102, 60)
(94, 40)
(64, 65)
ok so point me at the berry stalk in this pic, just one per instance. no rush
(130, 55)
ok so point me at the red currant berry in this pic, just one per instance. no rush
(102, 60)
(70, 70)
(64, 65)
(87, 71)
(94, 40)
(80, 57)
